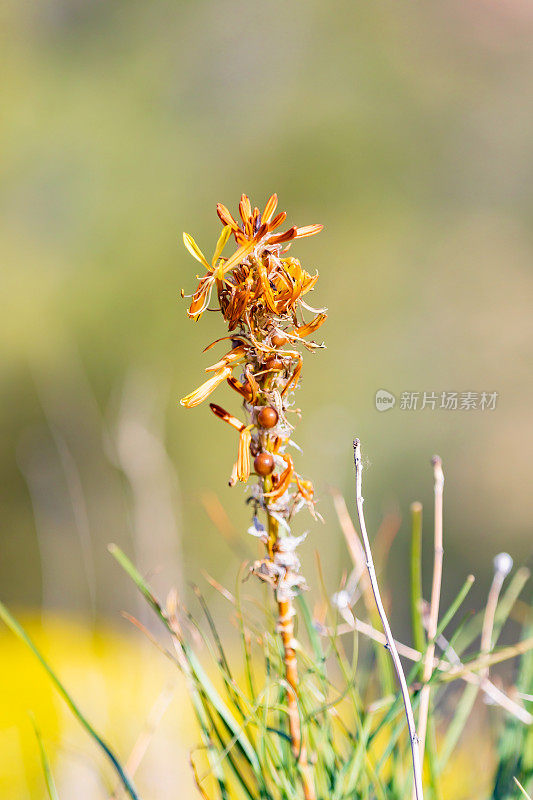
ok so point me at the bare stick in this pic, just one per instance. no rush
(492, 691)
(503, 564)
(435, 603)
(391, 644)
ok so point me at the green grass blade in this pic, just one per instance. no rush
(454, 608)
(19, 631)
(202, 681)
(48, 777)
(419, 637)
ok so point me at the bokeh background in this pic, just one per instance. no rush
(406, 129)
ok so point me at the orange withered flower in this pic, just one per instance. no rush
(260, 291)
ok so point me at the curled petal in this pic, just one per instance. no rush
(314, 310)
(305, 488)
(308, 282)
(252, 383)
(239, 302)
(201, 297)
(296, 373)
(203, 391)
(242, 388)
(284, 479)
(233, 358)
(236, 336)
(311, 327)
(284, 237)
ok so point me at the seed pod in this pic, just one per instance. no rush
(275, 364)
(264, 464)
(267, 417)
(278, 340)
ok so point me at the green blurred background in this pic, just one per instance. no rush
(406, 129)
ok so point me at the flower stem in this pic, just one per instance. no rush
(286, 630)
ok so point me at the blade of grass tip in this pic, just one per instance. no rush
(505, 606)
(223, 661)
(48, 777)
(136, 577)
(19, 631)
(455, 606)
(419, 638)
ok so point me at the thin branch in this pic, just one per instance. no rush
(489, 688)
(435, 603)
(417, 772)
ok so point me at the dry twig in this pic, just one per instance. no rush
(391, 644)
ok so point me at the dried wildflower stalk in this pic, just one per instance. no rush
(260, 292)
(391, 643)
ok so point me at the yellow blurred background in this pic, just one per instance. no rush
(406, 129)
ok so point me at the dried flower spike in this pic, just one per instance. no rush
(260, 291)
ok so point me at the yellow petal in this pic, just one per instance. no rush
(203, 391)
(222, 239)
(194, 250)
(238, 256)
(243, 455)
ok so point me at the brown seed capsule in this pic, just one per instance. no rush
(275, 364)
(267, 417)
(278, 340)
(263, 464)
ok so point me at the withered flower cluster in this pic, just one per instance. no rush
(260, 291)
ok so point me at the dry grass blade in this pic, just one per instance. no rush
(435, 602)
